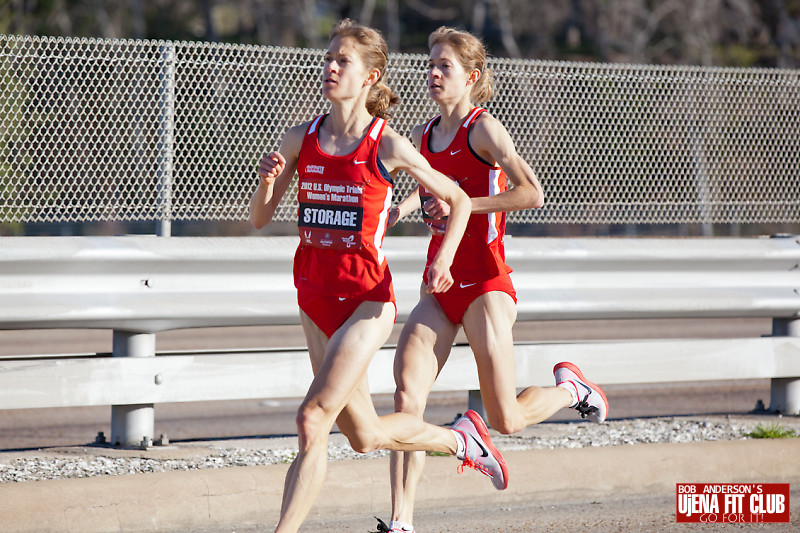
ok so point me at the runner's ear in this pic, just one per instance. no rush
(473, 77)
(372, 79)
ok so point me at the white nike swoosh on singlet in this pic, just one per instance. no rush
(357, 162)
(342, 299)
(454, 153)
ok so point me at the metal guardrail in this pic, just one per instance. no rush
(146, 284)
(139, 286)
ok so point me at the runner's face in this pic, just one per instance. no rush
(344, 74)
(447, 79)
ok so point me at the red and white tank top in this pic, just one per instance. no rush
(343, 206)
(481, 254)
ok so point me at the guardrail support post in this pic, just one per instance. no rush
(475, 403)
(784, 394)
(131, 424)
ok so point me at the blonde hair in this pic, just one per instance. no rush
(471, 54)
(375, 54)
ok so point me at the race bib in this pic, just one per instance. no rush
(330, 214)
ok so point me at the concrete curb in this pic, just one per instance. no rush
(190, 500)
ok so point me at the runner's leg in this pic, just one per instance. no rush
(488, 324)
(340, 365)
(422, 350)
(366, 431)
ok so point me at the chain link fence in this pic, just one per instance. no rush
(124, 130)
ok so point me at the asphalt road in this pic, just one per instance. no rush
(632, 514)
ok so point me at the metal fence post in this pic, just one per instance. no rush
(132, 424)
(784, 394)
(166, 138)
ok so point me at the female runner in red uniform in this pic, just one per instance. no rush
(345, 161)
(475, 150)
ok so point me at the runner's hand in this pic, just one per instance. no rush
(437, 229)
(439, 278)
(393, 216)
(270, 167)
(436, 208)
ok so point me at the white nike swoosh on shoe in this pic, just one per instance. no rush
(464, 286)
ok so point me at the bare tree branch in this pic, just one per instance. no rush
(211, 34)
(506, 29)
(367, 10)
(433, 13)
(137, 17)
(62, 18)
(392, 25)
(652, 22)
(103, 22)
(479, 16)
(308, 17)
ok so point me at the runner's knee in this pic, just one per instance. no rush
(503, 423)
(405, 402)
(311, 424)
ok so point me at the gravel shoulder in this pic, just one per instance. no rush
(91, 461)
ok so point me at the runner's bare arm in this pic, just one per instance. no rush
(275, 171)
(411, 202)
(491, 141)
(396, 152)
(404, 208)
